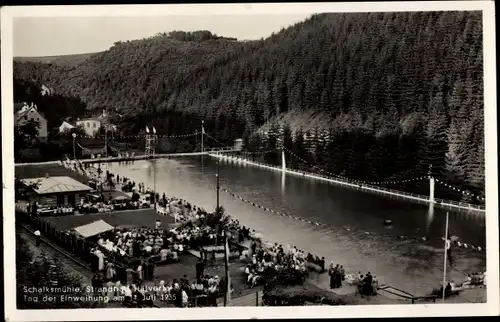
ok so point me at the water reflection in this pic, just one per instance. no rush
(283, 183)
(430, 218)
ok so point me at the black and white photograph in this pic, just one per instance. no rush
(250, 157)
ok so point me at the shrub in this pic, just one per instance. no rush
(301, 294)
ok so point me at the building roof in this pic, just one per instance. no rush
(94, 228)
(25, 109)
(18, 107)
(49, 185)
(66, 124)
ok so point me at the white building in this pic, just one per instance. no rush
(65, 126)
(31, 113)
(89, 125)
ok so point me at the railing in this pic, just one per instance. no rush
(250, 299)
(408, 195)
(228, 148)
(405, 295)
(141, 157)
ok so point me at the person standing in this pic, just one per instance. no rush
(338, 277)
(37, 236)
(254, 247)
(139, 272)
(185, 298)
(331, 272)
(342, 273)
(200, 270)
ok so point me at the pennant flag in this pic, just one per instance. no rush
(147, 129)
(154, 130)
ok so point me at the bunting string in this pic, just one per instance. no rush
(260, 152)
(214, 139)
(320, 224)
(160, 136)
(462, 191)
(141, 136)
(354, 180)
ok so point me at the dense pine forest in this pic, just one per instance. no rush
(369, 96)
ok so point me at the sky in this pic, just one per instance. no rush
(49, 36)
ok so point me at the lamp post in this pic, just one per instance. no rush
(202, 135)
(154, 175)
(74, 147)
(218, 185)
(151, 140)
(217, 202)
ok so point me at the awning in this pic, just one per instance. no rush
(94, 228)
(48, 185)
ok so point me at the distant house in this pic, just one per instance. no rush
(65, 126)
(106, 124)
(238, 145)
(89, 125)
(26, 113)
(45, 91)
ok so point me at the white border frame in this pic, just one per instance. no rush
(415, 310)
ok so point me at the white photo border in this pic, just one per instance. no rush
(365, 311)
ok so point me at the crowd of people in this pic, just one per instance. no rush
(144, 242)
(452, 288)
(337, 275)
(367, 284)
(200, 292)
(269, 260)
(203, 291)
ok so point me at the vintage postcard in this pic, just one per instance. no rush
(249, 161)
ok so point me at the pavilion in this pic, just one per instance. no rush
(56, 191)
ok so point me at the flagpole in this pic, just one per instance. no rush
(202, 134)
(445, 255)
(227, 294)
(154, 167)
(217, 202)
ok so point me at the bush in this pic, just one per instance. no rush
(287, 277)
(298, 295)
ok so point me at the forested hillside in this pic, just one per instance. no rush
(60, 60)
(379, 95)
